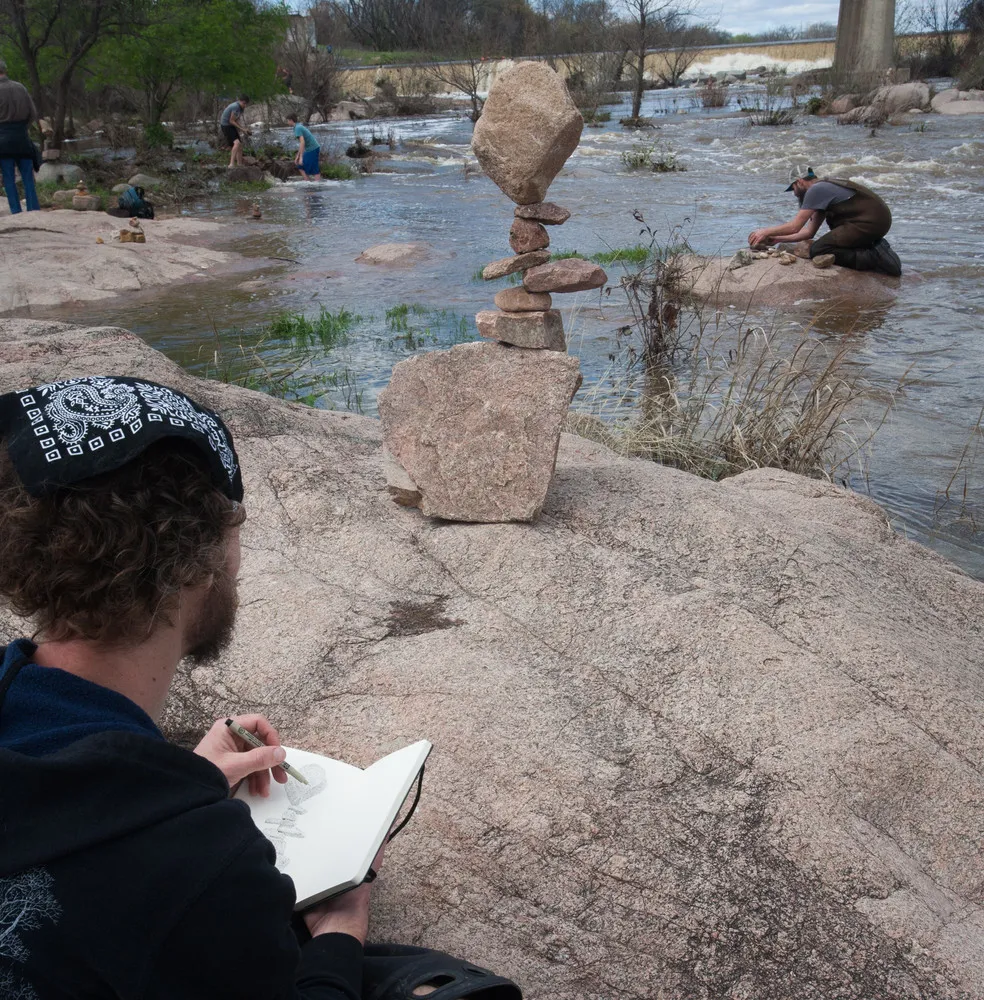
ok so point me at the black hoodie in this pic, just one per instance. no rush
(126, 871)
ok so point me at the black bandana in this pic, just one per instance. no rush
(68, 431)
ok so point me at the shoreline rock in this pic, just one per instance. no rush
(771, 282)
(688, 734)
(53, 258)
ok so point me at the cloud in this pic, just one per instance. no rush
(752, 16)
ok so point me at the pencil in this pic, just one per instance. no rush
(254, 741)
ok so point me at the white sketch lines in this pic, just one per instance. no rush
(286, 822)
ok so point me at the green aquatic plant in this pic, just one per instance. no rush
(398, 317)
(328, 331)
(656, 156)
(636, 255)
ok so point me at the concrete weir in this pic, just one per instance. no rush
(865, 36)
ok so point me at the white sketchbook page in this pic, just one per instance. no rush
(327, 832)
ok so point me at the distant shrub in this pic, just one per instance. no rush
(157, 137)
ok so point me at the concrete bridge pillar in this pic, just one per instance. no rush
(865, 36)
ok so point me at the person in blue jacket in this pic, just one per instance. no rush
(127, 871)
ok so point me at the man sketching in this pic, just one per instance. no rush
(126, 869)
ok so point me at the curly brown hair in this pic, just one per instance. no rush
(105, 558)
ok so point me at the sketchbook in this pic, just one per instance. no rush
(328, 831)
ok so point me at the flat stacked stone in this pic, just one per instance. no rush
(569, 275)
(540, 330)
(509, 265)
(519, 300)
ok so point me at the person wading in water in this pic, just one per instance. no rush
(858, 221)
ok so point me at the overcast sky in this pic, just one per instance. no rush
(758, 15)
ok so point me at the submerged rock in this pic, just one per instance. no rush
(692, 739)
(394, 253)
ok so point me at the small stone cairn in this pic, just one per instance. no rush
(471, 434)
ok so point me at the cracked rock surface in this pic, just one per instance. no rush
(693, 740)
(48, 258)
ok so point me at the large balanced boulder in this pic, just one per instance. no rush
(528, 129)
(477, 427)
(694, 740)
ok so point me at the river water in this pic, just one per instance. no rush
(931, 172)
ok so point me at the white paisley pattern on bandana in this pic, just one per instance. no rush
(162, 402)
(26, 903)
(71, 413)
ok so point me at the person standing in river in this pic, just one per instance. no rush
(233, 127)
(308, 158)
(858, 219)
(17, 152)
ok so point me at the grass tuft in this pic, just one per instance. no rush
(329, 330)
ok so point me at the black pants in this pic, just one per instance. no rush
(859, 250)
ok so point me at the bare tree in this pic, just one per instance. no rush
(312, 68)
(644, 27)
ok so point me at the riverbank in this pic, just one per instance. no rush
(739, 718)
(54, 258)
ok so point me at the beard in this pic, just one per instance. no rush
(212, 631)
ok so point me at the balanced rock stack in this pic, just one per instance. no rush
(472, 433)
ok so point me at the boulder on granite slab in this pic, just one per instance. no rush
(569, 275)
(526, 235)
(540, 330)
(528, 129)
(394, 253)
(900, 97)
(63, 199)
(509, 265)
(477, 428)
(56, 172)
(959, 102)
(841, 105)
(149, 183)
(86, 202)
(545, 212)
(518, 299)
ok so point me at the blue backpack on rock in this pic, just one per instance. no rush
(132, 202)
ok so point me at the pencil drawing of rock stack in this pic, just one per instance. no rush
(471, 433)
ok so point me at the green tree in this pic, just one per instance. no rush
(197, 45)
(54, 38)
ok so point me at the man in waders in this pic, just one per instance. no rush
(858, 221)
